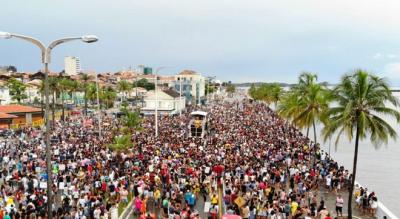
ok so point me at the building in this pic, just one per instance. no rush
(198, 84)
(72, 65)
(18, 115)
(185, 87)
(33, 91)
(147, 70)
(168, 102)
(140, 69)
(5, 97)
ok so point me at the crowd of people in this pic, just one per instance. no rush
(266, 167)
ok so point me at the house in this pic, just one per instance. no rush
(33, 90)
(18, 115)
(168, 102)
(5, 97)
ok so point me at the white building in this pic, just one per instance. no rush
(168, 102)
(5, 97)
(72, 65)
(33, 90)
(197, 81)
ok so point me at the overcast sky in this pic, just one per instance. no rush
(237, 40)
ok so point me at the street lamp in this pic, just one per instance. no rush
(208, 82)
(46, 60)
(156, 94)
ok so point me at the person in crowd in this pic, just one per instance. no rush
(267, 167)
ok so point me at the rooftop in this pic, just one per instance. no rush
(188, 72)
(6, 116)
(18, 109)
(171, 93)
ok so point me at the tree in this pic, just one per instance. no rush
(121, 143)
(108, 96)
(269, 93)
(209, 88)
(64, 85)
(144, 83)
(53, 90)
(85, 79)
(124, 87)
(276, 93)
(73, 88)
(230, 88)
(289, 107)
(132, 121)
(361, 100)
(11, 68)
(91, 92)
(17, 90)
(313, 106)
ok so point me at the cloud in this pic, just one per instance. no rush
(377, 56)
(391, 56)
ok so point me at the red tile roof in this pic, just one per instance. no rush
(18, 109)
(6, 116)
(188, 72)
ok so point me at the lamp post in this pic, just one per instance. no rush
(156, 94)
(46, 60)
(180, 96)
(209, 79)
(98, 105)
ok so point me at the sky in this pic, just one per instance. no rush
(235, 40)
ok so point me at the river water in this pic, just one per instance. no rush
(378, 168)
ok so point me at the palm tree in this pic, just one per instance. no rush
(306, 79)
(73, 88)
(64, 86)
(91, 91)
(41, 91)
(53, 89)
(132, 121)
(289, 107)
(230, 88)
(121, 143)
(124, 87)
(85, 79)
(361, 99)
(108, 95)
(276, 93)
(312, 107)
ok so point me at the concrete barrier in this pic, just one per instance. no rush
(382, 212)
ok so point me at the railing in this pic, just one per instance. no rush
(383, 212)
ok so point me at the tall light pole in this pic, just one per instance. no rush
(156, 94)
(209, 79)
(98, 105)
(46, 60)
(180, 96)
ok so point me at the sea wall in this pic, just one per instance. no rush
(383, 212)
